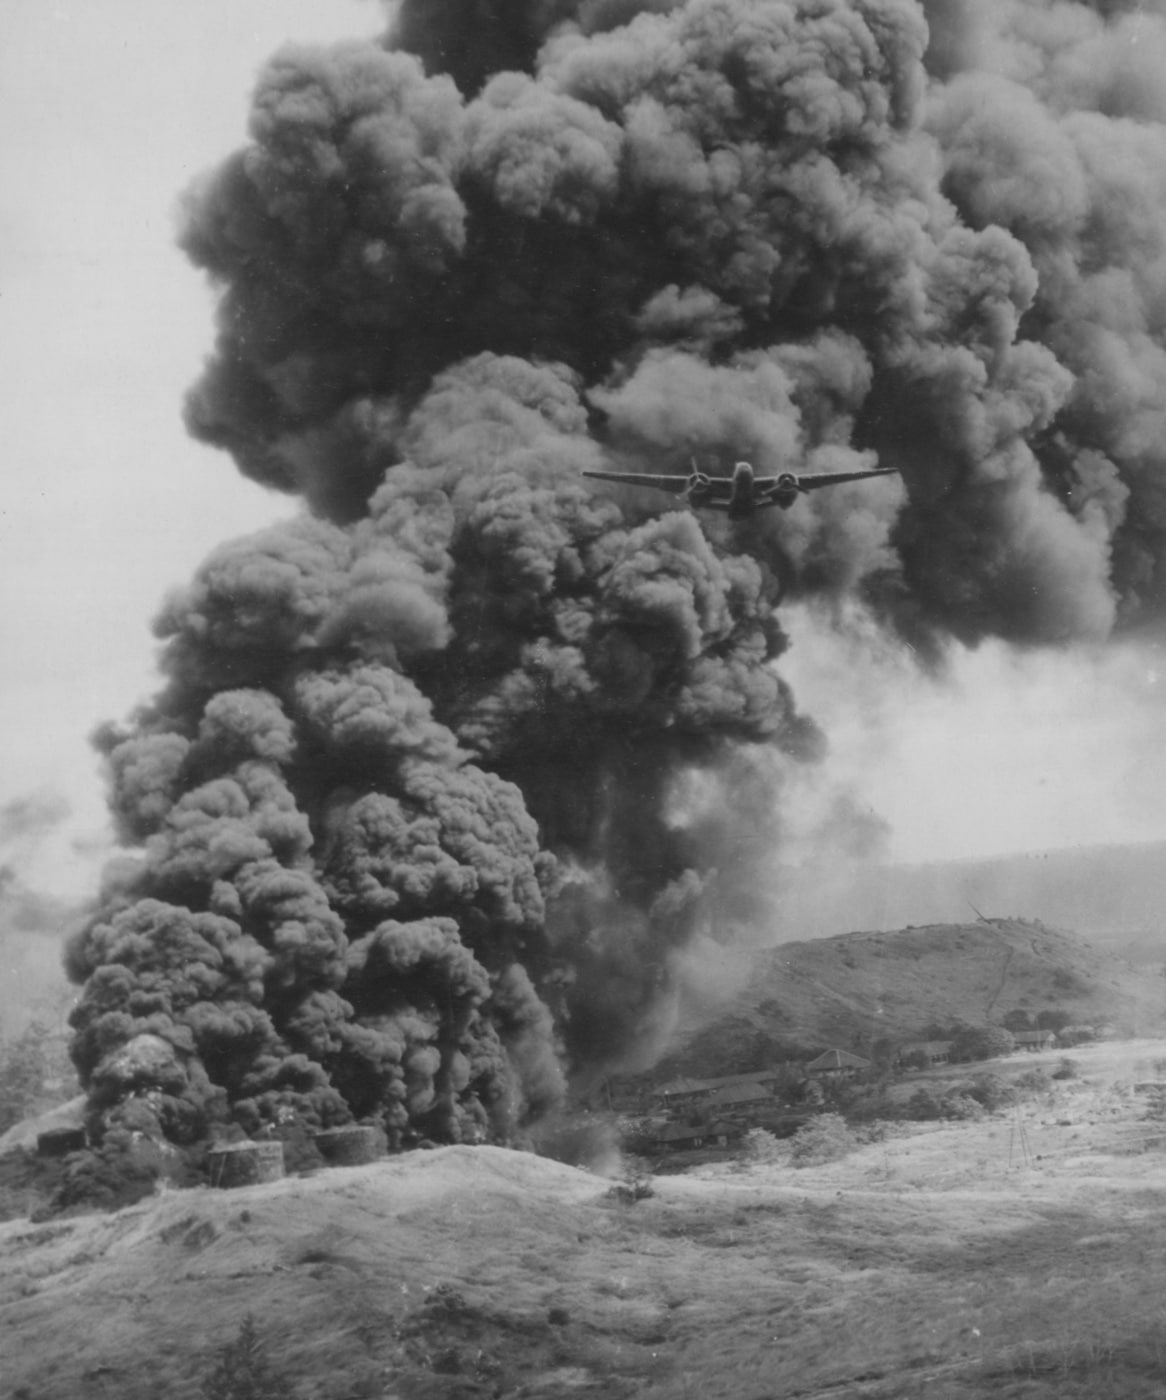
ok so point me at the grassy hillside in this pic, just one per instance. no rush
(857, 988)
(943, 1261)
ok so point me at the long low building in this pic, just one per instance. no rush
(837, 1064)
(934, 1052)
(681, 1091)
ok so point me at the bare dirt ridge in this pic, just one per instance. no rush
(941, 1261)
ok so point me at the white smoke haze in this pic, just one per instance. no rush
(999, 750)
(34, 914)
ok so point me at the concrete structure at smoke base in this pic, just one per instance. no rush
(59, 1142)
(1034, 1040)
(837, 1064)
(351, 1145)
(244, 1163)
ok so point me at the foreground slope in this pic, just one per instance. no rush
(1022, 1256)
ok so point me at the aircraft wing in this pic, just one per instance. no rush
(677, 485)
(811, 483)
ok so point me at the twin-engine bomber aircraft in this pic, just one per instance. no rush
(742, 493)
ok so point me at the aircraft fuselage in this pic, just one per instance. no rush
(745, 499)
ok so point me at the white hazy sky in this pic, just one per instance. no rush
(107, 110)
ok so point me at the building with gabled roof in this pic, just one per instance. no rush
(1034, 1040)
(687, 1090)
(681, 1090)
(737, 1097)
(837, 1064)
(935, 1052)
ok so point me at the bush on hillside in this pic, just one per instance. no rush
(1052, 1019)
(927, 1106)
(824, 1139)
(961, 1107)
(242, 1370)
(1066, 1068)
(1033, 1081)
(991, 1091)
(982, 1043)
(762, 1146)
(923, 1107)
(871, 1106)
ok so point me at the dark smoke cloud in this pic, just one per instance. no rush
(414, 809)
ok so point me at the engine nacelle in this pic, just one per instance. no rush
(699, 486)
(785, 489)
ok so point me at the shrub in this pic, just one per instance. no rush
(242, 1370)
(1033, 1081)
(991, 1091)
(983, 1043)
(923, 1107)
(961, 1107)
(824, 1139)
(762, 1146)
(1066, 1068)
(1054, 1019)
(872, 1107)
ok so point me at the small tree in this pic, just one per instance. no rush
(983, 1043)
(923, 1106)
(823, 1139)
(961, 1106)
(991, 1091)
(243, 1371)
(762, 1146)
(1033, 1081)
(1053, 1019)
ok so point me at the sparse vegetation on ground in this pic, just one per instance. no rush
(825, 1139)
(1015, 1255)
(243, 1370)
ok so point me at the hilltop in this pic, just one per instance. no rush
(1117, 893)
(856, 989)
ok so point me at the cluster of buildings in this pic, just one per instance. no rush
(694, 1114)
(707, 1113)
(938, 1052)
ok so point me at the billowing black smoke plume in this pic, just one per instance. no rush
(445, 773)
